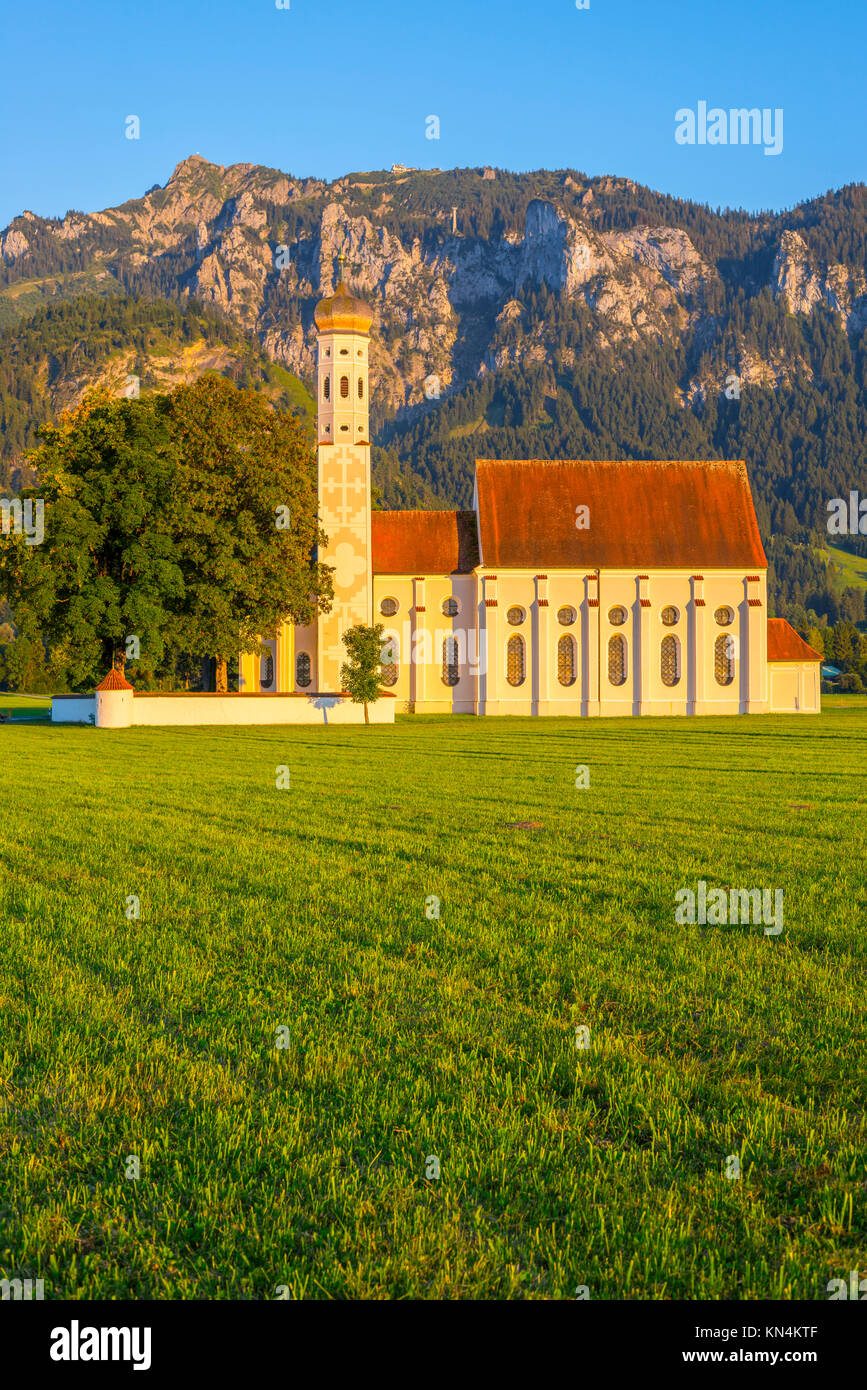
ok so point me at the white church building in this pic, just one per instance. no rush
(570, 587)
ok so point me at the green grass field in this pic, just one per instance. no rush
(298, 916)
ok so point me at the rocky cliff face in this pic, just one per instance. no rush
(262, 247)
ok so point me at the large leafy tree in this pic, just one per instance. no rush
(250, 524)
(109, 564)
(187, 521)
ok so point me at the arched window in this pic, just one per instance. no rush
(326, 389)
(389, 656)
(515, 660)
(361, 388)
(302, 670)
(566, 616)
(669, 661)
(451, 607)
(724, 659)
(566, 660)
(617, 659)
(451, 669)
(617, 615)
(344, 387)
(388, 607)
(266, 671)
(515, 616)
(669, 616)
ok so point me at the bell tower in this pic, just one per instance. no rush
(343, 439)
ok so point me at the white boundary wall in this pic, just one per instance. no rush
(118, 709)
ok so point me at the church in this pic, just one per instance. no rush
(569, 588)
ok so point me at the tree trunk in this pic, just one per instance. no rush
(222, 681)
(366, 715)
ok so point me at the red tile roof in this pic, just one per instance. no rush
(643, 515)
(114, 681)
(784, 644)
(424, 542)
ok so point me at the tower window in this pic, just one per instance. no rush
(515, 660)
(669, 661)
(566, 660)
(344, 387)
(361, 388)
(617, 660)
(302, 670)
(344, 352)
(326, 389)
(451, 669)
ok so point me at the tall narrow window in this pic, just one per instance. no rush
(302, 670)
(566, 660)
(326, 389)
(390, 658)
(515, 661)
(724, 659)
(451, 669)
(266, 671)
(617, 659)
(361, 388)
(669, 661)
(344, 387)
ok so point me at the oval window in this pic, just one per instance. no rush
(566, 616)
(344, 387)
(669, 616)
(724, 616)
(451, 607)
(617, 616)
(388, 607)
(515, 616)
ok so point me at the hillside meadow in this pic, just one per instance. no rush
(246, 1091)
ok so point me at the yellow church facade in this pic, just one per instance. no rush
(569, 588)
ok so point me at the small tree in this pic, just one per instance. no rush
(362, 673)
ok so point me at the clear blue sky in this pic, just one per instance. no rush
(330, 86)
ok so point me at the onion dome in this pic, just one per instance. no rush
(343, 312)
